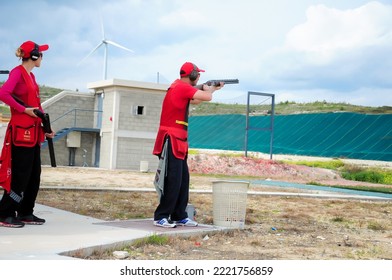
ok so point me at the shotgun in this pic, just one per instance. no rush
(47, 129)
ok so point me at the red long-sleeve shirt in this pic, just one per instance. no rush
(16, 86)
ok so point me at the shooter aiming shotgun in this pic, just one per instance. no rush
(47, 129)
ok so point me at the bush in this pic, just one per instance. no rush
(330, 164)
(373, 175)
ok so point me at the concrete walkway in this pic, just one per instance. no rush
(66, 232)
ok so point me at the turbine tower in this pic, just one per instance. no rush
(105, 42)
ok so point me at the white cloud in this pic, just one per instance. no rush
(335, 49)
(182, 18)
(338, 54)
(329, 30)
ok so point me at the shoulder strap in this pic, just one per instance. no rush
(32, 99)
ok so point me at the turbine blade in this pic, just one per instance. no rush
(118, 45)
(90, 53)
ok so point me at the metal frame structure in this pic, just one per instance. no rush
(271, 126)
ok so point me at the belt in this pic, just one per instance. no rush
(181, 122)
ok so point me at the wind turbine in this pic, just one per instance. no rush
(105, 42)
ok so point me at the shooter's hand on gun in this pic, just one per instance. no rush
(50, 135)
(215, 86)
(45, 122)
(30, 111)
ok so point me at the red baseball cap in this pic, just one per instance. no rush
(187, 68)
(29, 46)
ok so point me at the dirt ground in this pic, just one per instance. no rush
(277, 227)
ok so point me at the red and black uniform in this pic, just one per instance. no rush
(24, 135)
(174, 127)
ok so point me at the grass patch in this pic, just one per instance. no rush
(352, 172)
(193, 152)
(337, 219)
(4, 109)
(372, 175)
(334, 164)
(375, 226)
(152, 240)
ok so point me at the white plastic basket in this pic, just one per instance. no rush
(229, 203)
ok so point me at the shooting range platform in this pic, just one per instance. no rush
(65, 232)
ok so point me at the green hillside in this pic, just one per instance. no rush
(285, 108)
(282, 108)
(45, 91)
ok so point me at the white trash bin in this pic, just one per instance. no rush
(229, 203)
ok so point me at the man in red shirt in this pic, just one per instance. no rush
(173, 130)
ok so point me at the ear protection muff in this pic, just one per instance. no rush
(194, 74)
(34, 54)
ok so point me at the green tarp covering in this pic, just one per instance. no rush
(340, 135)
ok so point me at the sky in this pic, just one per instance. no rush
(300, 51)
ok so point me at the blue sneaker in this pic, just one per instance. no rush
(164, 223)
(186, 222)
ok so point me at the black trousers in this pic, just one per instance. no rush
(25, 181)
(175, 197)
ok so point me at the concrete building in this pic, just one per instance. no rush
(112, 127)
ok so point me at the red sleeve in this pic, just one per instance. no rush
(190, 91)
(8, 88)
(183, 94)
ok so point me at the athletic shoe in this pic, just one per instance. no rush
(11, 222)
(186, 222)
(164, 223)
(31, 220)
